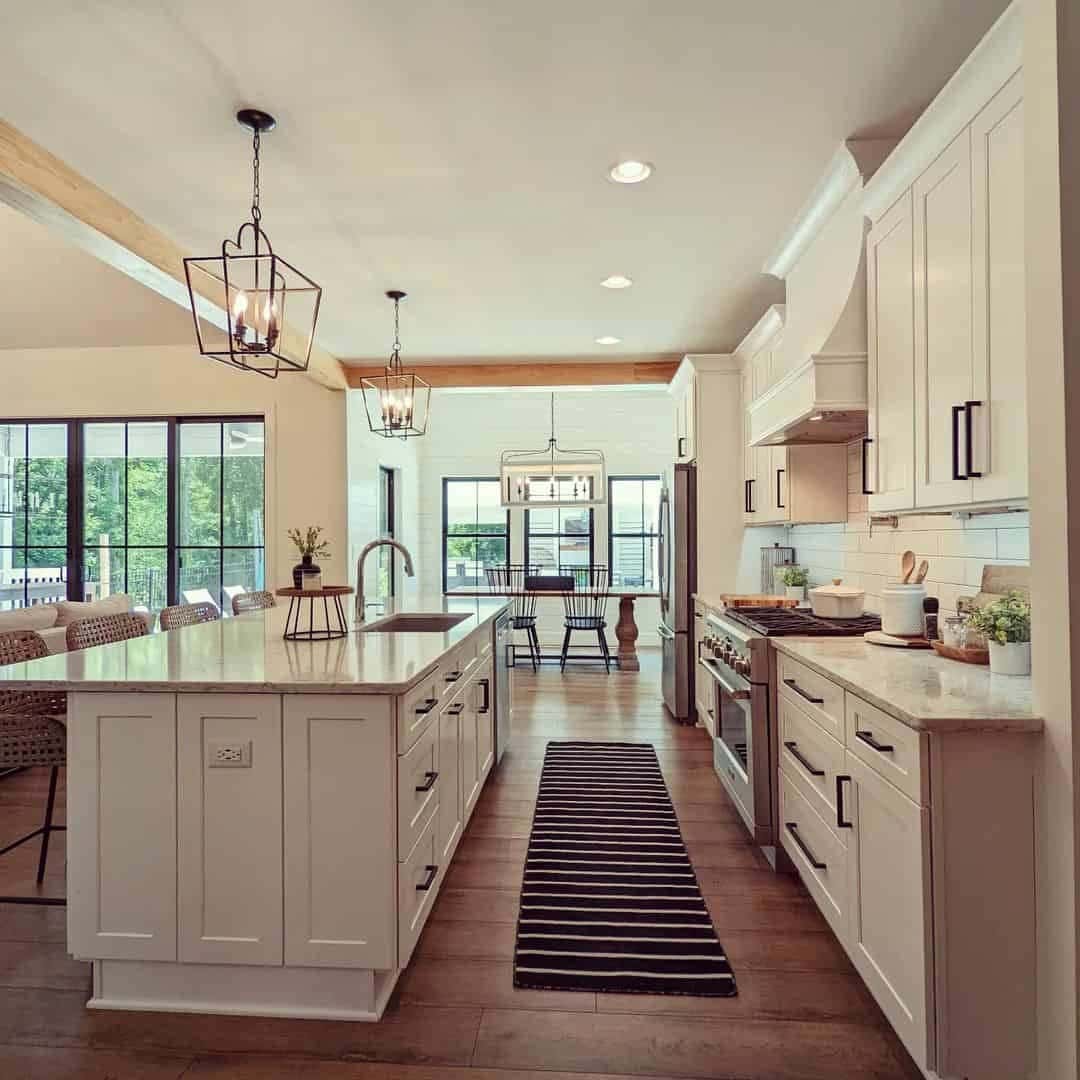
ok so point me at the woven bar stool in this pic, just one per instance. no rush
(252, 601)
(172, 618)
(105, 629)
(32, 733)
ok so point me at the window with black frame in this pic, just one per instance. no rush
(633, 537)
(476, 531)
(558, 538)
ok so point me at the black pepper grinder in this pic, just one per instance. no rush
(930, 608)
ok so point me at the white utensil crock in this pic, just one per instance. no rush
(902, 609)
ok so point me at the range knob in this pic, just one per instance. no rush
(742, 665)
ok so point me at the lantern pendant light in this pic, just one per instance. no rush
(398, 401)
(252, 309)
(553, 476)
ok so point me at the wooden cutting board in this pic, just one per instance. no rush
(741, 600)
(879, 637)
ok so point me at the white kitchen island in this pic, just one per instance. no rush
(261, 827)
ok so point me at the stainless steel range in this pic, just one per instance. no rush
(734, 656)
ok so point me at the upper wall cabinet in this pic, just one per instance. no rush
(945, 293)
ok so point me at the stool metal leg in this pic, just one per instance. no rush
(49, 806)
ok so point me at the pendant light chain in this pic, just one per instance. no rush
(395, 354)
(256, 213)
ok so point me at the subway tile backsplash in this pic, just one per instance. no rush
(956, 549)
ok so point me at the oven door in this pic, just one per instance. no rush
(733, 749)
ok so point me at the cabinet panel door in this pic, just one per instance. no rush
(485, 722)
(448, 816)
(689, 449)
(229, 828)
(999, 424)
(468, 755)
(889, 929)
(121, 841)
(943, 330)
(340, 831)
(891, 370)
(749, 452)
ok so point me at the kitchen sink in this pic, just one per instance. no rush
(414, 623)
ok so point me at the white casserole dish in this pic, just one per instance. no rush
(837, 601)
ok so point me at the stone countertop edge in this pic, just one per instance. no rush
(851, 667)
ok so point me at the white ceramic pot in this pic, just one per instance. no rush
(837, 601)
(795, 592)
(902, 609)
(1013, 658)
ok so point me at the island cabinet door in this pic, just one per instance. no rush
(485, 721)
(889, 913)
(229, 846)
(340, 831)
(468, 756)
(121, 839)
(448, 816)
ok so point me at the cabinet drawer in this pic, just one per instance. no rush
(813, 758)
(418, 708)
(418, 789)
(819, 856)
(458, 666)
(820, 699)
(889, 747)
(418, 880)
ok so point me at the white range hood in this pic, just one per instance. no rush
(821, 397)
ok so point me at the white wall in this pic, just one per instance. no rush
(305, 424)
(956, 549)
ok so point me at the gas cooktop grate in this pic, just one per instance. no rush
(778, 622)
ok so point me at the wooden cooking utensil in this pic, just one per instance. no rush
(907, 564)
(920, 574)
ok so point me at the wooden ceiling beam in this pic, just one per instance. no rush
(533, 373)
(44, 188)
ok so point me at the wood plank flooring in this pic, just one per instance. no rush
(802, 1012)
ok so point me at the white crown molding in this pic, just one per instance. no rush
(764, 330)
(853, 162)
(995, 60)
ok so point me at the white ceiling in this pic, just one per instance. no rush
(459, 151)
(53, 295)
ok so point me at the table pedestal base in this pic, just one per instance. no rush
(626, 632)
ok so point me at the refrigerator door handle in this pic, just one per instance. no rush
(665, 633)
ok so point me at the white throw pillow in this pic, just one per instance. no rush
(69, 611)
(38, 617)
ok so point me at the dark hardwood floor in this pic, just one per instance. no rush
(802, 1012)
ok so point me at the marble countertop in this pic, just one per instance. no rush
(247, 654)
(918, 687)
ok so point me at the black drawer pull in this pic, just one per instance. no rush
(793, 747)
(792, 828)
(453, 676)
(840, 822)
(779, 503)
(803, 693)
(969, 437)
(956, 473)
(429, 704)
(429, 880)
(429, 781)
(486, 684)
(868, 738)
(456, 709)
(866, 467)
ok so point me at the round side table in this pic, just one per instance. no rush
(297, 628)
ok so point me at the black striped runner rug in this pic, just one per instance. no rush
(609, 900)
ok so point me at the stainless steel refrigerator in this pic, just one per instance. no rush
(678, 579)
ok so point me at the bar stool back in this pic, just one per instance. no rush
(512, 579)
(252, 601)
(172, 618)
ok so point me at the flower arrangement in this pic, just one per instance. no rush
(796, 576)
(1005, 621)
(308, 544)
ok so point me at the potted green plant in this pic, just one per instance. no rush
(308, 544)
(1006, 625)
(795, 580)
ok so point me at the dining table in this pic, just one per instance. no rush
(626, 629)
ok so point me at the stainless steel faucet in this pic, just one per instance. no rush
(367, 550)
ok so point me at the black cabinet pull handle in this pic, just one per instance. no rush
(429, 704)
(800, 843)
(429, 880)
(746, 496)
(866, 467)
(803, 693)
(456, 709)
(429, 781)
(453, 676)
(486, 684)
(793, 747)
(840, 822)
(679, 451)
(868, 738)
(779, 504)
(956, 473)
(968, 437)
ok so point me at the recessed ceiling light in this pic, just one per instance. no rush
(617, 281)
(607, 339)
(630, 172)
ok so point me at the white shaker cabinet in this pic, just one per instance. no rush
(686, 419)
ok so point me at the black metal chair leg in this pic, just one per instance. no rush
(534, 648)
(48, 826)
(565, 649)
(604, 650)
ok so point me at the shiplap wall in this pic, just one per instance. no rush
(956, 549)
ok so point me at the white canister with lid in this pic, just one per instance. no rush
(902, 609)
